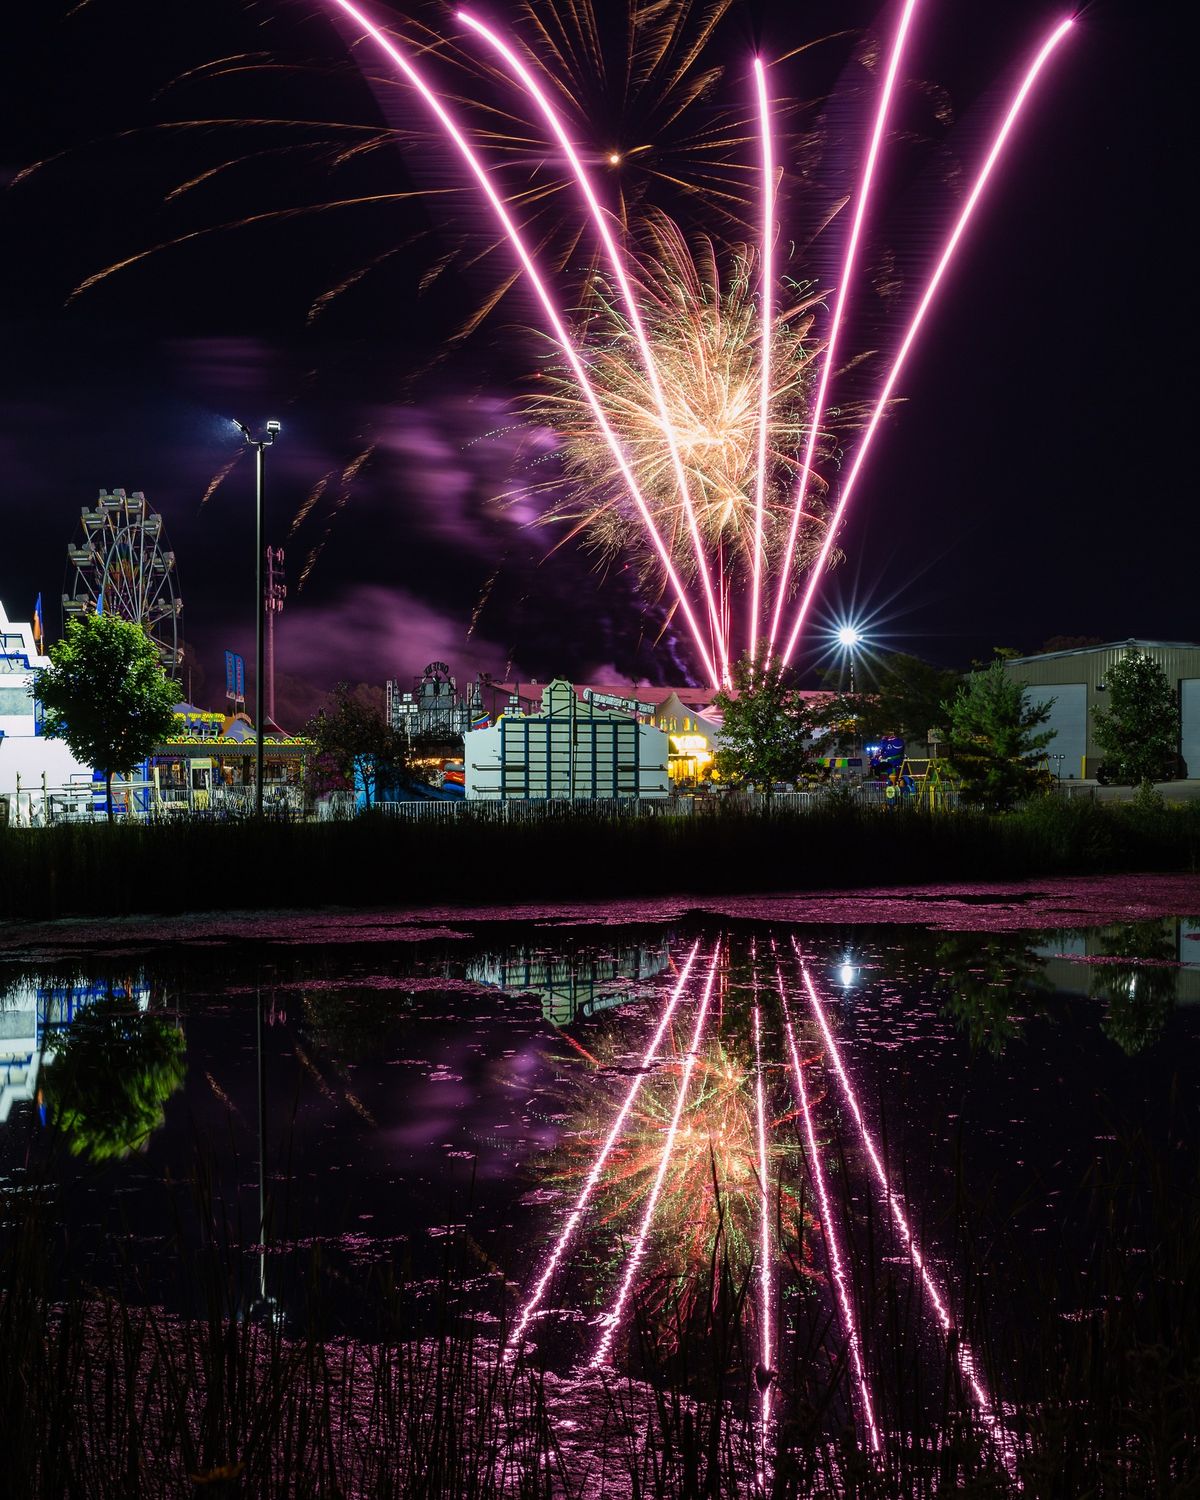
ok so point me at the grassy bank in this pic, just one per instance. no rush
(104, 1394)
(198, 865)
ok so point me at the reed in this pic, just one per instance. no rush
(203, 865)
(105, 1394)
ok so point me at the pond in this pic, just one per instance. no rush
(867, 1189)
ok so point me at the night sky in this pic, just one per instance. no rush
(1026, 488)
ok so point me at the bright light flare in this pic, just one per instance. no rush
(592, 1180)
(832, 1251)
(617, 261)
(552, 315)
(914, 328)
(848, 637)
(835, 326)
(612, 1320)
(966, 1359)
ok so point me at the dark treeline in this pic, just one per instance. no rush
(198, 865)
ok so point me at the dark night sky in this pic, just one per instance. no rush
(1026, 488)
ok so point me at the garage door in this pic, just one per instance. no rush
(1068, 719)
(1190, 715)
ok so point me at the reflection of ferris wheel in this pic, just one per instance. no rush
(122, 564)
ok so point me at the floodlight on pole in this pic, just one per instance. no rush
(260, 446)
(849, 637)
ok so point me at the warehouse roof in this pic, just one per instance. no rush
(1107, 646)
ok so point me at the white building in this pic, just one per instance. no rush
(570, 751)
(36, 767)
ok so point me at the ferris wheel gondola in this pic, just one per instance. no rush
(122, 564)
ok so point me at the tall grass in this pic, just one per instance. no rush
(103, 1394)
(201, 865)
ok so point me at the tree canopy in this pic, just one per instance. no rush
(770, 732)
(995, 748)
(106, 695)
(1139, 731)
(353, 739)
(905, 697)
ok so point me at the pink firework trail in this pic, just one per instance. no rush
(766, 276)
(765, 1343)
(560, 333)
(616, 260)
(612, 1320)
(533, 1301)
(966, 1360)
(716, 659)
(831, 1244)
(914, 327)
(818, 411)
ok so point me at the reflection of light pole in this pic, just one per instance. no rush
(262, 1157)
(260, 446)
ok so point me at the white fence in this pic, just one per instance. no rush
(40, 805)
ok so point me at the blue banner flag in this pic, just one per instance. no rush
(235, 675)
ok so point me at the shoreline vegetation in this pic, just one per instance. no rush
(395, 1385)
(199, 864)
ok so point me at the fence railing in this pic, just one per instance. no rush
(84, 802)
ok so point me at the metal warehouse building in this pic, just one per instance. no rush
(1076, 681)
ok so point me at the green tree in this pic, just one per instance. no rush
(109, 1075)
(1139, 731)
(770, 732)
(904, 698)
(994, 748)
(351, 735)
(106, 694)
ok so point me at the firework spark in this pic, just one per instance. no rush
(630, 300)
(889, 385)
(766, 276)
(517, 241)
(707, 341)
(860, 211)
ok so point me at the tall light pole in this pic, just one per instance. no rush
(849, 639)
(260, 446)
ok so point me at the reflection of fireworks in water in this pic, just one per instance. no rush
(832, 1251)
(697, 1187)
(962, 1350)
(597, 1166)
(709, 1200)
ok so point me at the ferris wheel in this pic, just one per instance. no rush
(123, 565)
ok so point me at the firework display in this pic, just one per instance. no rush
(666, 386)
